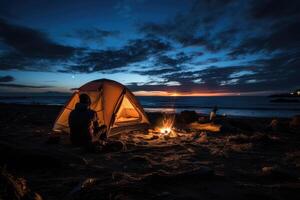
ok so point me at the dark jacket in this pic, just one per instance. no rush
(82, 122)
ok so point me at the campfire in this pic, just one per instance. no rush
(165, 131)
(167, 125)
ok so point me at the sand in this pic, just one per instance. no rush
(246, 159)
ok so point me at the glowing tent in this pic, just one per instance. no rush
(116, 107)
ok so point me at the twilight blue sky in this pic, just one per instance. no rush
(155, 47)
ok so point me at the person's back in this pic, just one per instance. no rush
(81, 125)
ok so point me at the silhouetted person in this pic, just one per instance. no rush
(84, 126)
(213, 113)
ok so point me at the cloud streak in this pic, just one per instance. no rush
(6, 79)
(11, 85)
(93, 35)
(134, 51)
(32, 43)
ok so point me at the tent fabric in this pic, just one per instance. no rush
(127, 113)
(115, 105)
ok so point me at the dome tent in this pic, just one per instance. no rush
(115, 105)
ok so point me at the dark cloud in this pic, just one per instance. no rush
(18, 61)
(153, 87)
(135, 51)
(258, 39)
(24, 86)
(210, 78)
(275, 25)
(213, 25)
(93, 34)
(165, 64)
(158, 72)
(208, 61)
(179, 59)
(32, 43)
(280, 71)
(175, 30)
(6, 9)
(274, 8)
(284, 37)
(29, 49)
(270, 74)
(6, 78)
(191, 29)
(12, 60)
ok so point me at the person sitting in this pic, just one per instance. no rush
(84, 127)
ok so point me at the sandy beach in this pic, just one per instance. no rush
(246, 159)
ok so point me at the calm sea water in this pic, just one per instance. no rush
(256, 106)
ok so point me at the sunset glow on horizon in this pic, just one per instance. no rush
(178, 94)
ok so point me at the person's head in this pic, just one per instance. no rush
(85, 99)
(215, 109)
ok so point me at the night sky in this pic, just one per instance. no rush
(154, 47)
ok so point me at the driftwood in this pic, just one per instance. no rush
(92, 189)
(196, 174)
(15, 188)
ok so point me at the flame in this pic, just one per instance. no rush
(165, 130)
(167, 124)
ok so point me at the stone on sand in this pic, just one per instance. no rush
(188, 116)
(277, 173)
(295, 122)
(203, 138)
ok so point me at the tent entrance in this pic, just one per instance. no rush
(127, 113)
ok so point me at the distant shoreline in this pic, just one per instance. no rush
(153, 111)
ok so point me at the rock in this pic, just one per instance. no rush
(295, 122)
(277, 125)
(88, 183)
(115, 146)
(187, 116)
(277, 173)
(274, 124)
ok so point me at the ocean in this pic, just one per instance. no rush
(252, 106)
